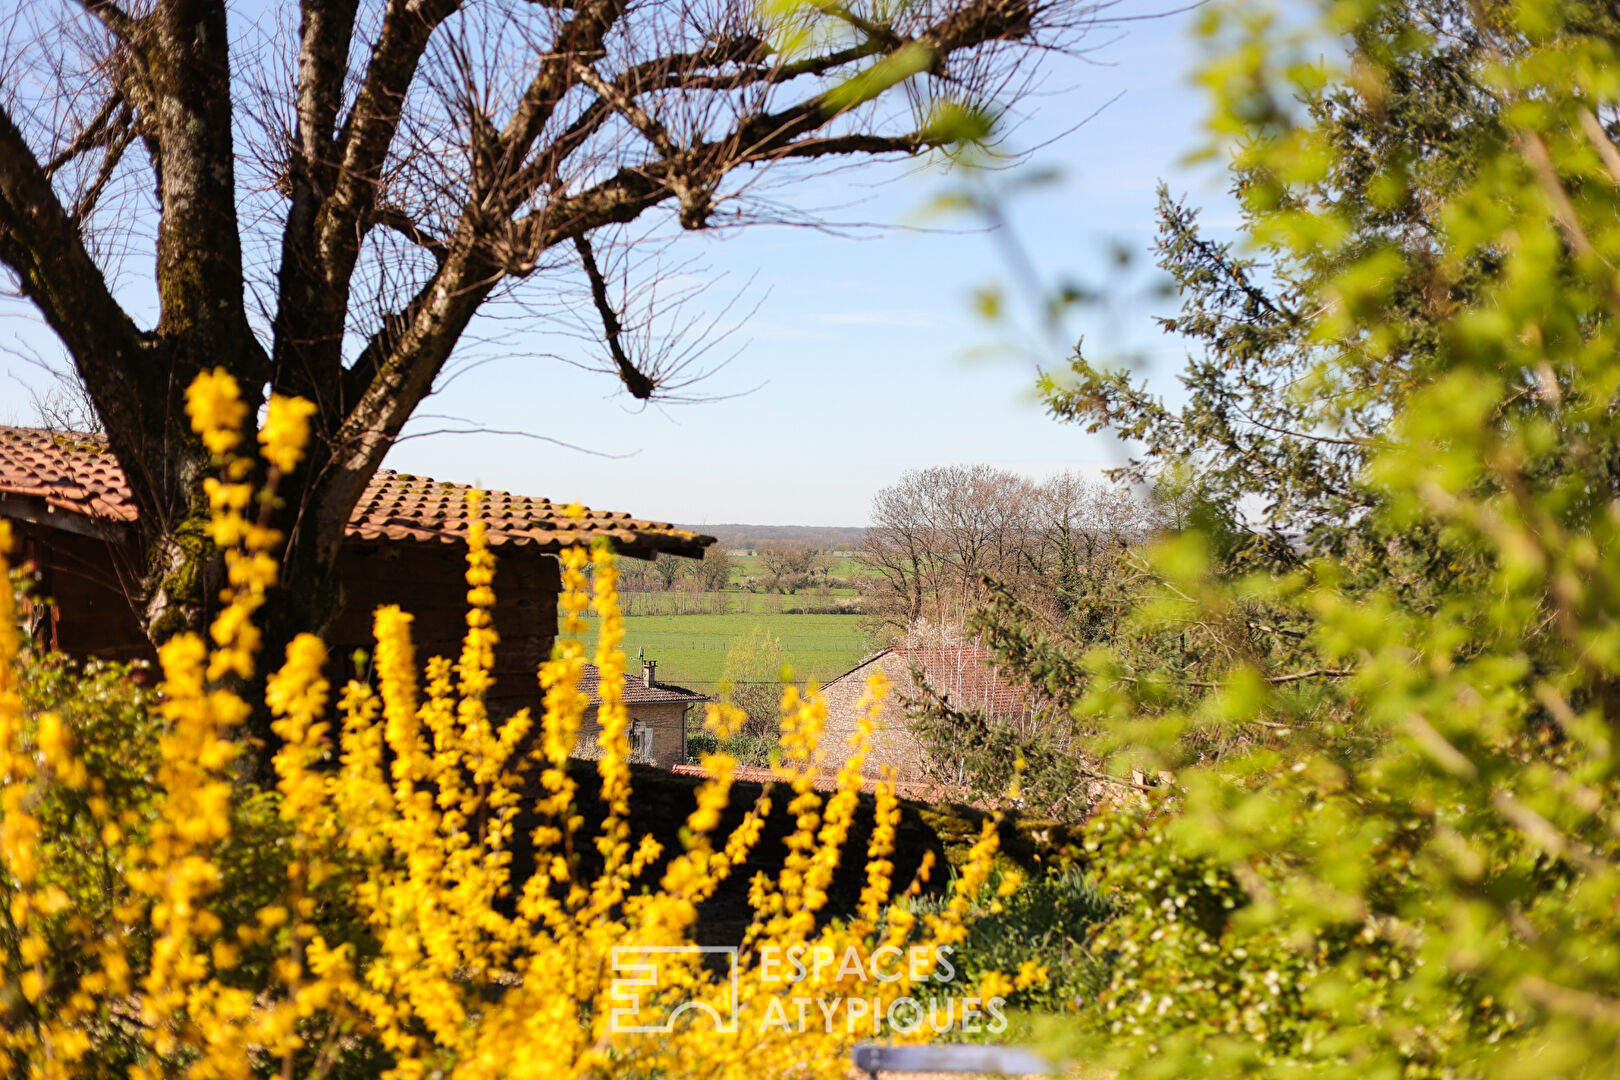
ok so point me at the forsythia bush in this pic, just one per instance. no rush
(159, 917)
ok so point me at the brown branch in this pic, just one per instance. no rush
(1564, 214)
(392, 217)
(86, 203)
(94, 134)
(40, 242)
(373, 121)
(307, 357)
(640, 386)
(398, 365)
(852, 144)
(579, 41)
(1274, 680)
(118, 22)
(653, 131)
(544, 169)
(200, 286)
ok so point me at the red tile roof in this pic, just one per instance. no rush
(916, 790)
(77, 473)
(966, 674)
(636, 691)
(68, 471)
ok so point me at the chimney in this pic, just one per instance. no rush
(647, 669)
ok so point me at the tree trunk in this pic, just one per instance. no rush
(183, 572)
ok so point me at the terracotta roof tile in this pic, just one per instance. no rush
(915, 790)
(78, 473)
(68, 471)
(636, 692)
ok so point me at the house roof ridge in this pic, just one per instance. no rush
(74, 472)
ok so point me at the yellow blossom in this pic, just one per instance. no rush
(286, 431)
(217, 410)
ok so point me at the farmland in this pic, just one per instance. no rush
(798, 584)
(691, 649)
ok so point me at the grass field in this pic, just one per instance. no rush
(744, 566)
(730, 602)
(691, 649)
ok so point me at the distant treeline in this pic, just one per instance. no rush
(823, 538)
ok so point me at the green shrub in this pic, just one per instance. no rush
(110, 713)
(1047, 920)
(747, 749)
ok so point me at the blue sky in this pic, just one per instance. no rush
(862, 356)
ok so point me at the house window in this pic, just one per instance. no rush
(640, 741)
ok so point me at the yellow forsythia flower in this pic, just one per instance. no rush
(217, 410)
(286, 431)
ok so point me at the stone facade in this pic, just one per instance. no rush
(664, 722)
(965, 674)
(657, 718)
(893, 744)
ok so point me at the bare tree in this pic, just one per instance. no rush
(714, 572)
(786, 567)
(666, 570)
(326, 193)
(936, 534)
(65, 406)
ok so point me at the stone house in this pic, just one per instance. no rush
(964, 674)
(657, 711)
(71, 516)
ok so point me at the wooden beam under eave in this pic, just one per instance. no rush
(38, 512)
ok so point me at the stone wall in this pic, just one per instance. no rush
(893, 744)
(667, 719)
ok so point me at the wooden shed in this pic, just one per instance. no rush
(72, 515)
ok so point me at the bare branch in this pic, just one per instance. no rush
(95, 133)
(118, 22)
(369, 130)
(639, 385)
(393, 217)
(124, 134)
(655, 132)
(40, 242)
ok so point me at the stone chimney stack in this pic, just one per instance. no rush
(647, 669)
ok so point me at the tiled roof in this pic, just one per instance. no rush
(916, 790)
(966, 674)
(636, 691)
(78, 473)
(68, 471)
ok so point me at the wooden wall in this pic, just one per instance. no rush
(93, 618)
(427, 580)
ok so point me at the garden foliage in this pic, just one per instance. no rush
(1046, 920)
(1385, 835)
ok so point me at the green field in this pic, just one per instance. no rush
(691, 649)
(730, 602)
(745, 566)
